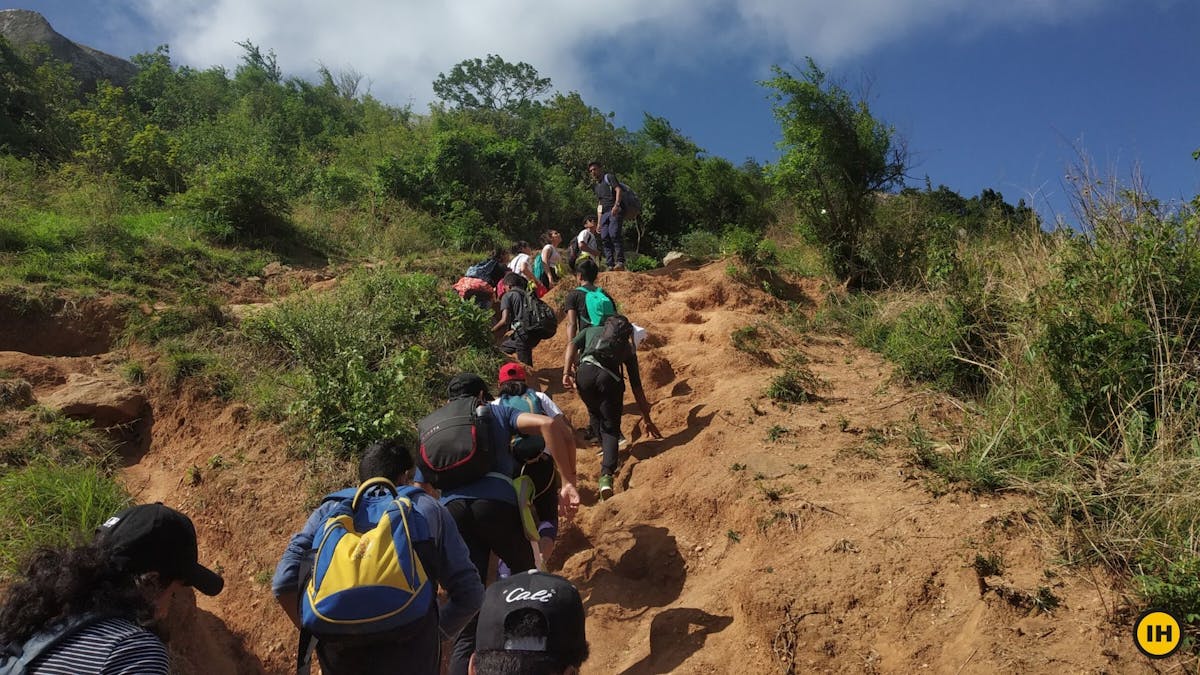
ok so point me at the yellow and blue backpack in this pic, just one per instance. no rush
(366, 575)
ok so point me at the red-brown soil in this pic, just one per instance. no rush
(754, 537)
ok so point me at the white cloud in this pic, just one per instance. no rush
(401, 45)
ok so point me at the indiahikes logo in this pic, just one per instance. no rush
(1157, 633)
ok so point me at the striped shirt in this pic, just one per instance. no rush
(115, 646)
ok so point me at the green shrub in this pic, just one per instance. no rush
(51, 436)
(641, 263)
(52, 504)
(373, 355)
(237, 200)
(193, 312)
(742, 243)
(797, 383)
(700, 245)
(924, 341)
(333, 187)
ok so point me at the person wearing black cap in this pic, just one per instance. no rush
(530, 624)
(485, 509)
(81, 610)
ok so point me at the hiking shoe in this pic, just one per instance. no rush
(618, 267)
(606, 488)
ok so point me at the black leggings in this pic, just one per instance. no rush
(604, 396)
(545, 481)
(522, 347)
(487, 526)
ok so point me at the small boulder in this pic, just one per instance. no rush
(15, 393)
(274, 269)
(107, 402)
(675, 258)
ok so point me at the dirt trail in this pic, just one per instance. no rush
(752, 538)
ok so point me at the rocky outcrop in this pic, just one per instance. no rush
(107, 402)
(24, 28)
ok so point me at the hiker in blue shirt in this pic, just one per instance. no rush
(417, 646)
(485, 509)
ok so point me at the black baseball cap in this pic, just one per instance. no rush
(552, 596)
(157, 538)
(467, 384)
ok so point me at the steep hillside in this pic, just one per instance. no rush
(754, 537)
(25, 28)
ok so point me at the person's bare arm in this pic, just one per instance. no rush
(290, 602)
(572, 329)
(502, 323)
(568, 378)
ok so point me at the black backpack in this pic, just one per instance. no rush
(610, 350)
(536, 319)
(455, 444)
(631, 204)
(573, 252)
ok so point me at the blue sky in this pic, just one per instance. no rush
(987, 94)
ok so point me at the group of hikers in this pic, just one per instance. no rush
(487, 478)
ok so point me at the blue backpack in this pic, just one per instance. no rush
(489, 270)
(366, 575)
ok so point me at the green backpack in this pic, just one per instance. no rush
(599, 305)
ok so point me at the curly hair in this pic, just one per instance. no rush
(69, 581)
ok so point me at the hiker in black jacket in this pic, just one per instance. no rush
(606, 356)
(518, 343)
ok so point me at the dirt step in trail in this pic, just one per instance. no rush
(752, 538)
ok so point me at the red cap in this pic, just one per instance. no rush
(512, 371)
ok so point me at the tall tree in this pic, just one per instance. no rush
(492, 84)
(836, 156)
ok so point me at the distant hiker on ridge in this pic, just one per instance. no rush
(608, 195)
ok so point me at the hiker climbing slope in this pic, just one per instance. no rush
(361, 643)
(606, 354)
(465, 453)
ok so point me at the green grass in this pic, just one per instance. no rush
(146, 253)
(48, 504)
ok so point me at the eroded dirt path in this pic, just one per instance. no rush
(763, 538)
(753, 538)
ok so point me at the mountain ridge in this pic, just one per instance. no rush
(25, 28)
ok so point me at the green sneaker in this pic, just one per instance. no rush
(606, 489)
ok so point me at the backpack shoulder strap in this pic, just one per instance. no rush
(17, 658)
(535, 406)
